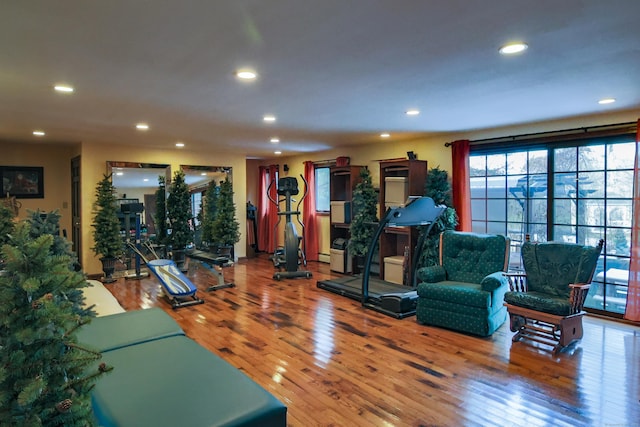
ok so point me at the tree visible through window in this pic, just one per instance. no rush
(579, 192)
(323, 201)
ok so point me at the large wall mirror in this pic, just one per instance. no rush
(139, 182)
(198, 179)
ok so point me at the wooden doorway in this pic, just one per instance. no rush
(76, 213)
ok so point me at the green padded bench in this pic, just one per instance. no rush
(162, 378)
(119, 330)
(174, 381)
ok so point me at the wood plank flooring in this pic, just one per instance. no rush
(334, 363)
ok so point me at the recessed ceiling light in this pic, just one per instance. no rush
(246, 74)
(38, 133)
(513, 48)
(146, 179)
(203, 174)
(269, 118)
(607, 101)
(277, 153)
(275, 140)
(385, 135)
(119, 173)
(179, 144)
(63, 88)
(142, 126)
(412, 112)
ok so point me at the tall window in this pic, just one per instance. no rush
(323, 202)
(577, 192)
(196, 205)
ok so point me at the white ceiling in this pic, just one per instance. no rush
(334, 72)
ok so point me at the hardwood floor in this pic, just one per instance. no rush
(334, 363)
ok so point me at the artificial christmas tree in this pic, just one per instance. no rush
(208, 213)
(364, 223)
(161, 211)
(179, 214)
(6, 226)
(45, 375)
(438, 187)
(106, 227)
(225, 228)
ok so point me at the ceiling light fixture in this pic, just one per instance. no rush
(277, 153)
(179, 144)
(142, 126)
(385, 135)
(63, 88)
(412, 112)
(274, 140)
(513, 48)
(269, 118)
(246, 74)
(38, 133)
(607, 101)
(146, 179)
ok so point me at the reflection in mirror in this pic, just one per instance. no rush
(198, 179)
(200, 176)
(138, 182)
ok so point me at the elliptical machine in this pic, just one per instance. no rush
(291, 255)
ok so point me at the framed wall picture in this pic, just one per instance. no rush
(22, 182)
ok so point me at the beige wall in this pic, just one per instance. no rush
(56, 163)
(95, 156)
(56, 158)
(431, 149)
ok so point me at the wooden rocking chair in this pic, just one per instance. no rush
(545, 303)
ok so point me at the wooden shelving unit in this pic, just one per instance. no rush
(394, 240)
(343, 180)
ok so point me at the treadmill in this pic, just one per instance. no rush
(394, 300)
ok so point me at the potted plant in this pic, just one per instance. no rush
(6, 226)
(47, 375)
(160, 217)
(225, 227)
(208, 213)
(363, 226)
(179, 214)
(106, 227)
(438, 187)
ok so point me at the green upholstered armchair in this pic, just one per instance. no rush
(465, 292)
(545, 302)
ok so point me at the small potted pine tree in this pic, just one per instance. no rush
(363, 225)
(46, 376)
(7, 226)
(160, 217)
(179, 214)
(225, 227)
(208, 214)
(438, 187)
(106, 227)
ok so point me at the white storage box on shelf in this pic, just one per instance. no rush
(393, 269)
(396, 191)
(340, 212)
(339, 261)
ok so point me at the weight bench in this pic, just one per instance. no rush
(215, 264)
(180, 291)
(178, 288)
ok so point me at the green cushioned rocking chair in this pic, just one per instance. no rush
(545, 303)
